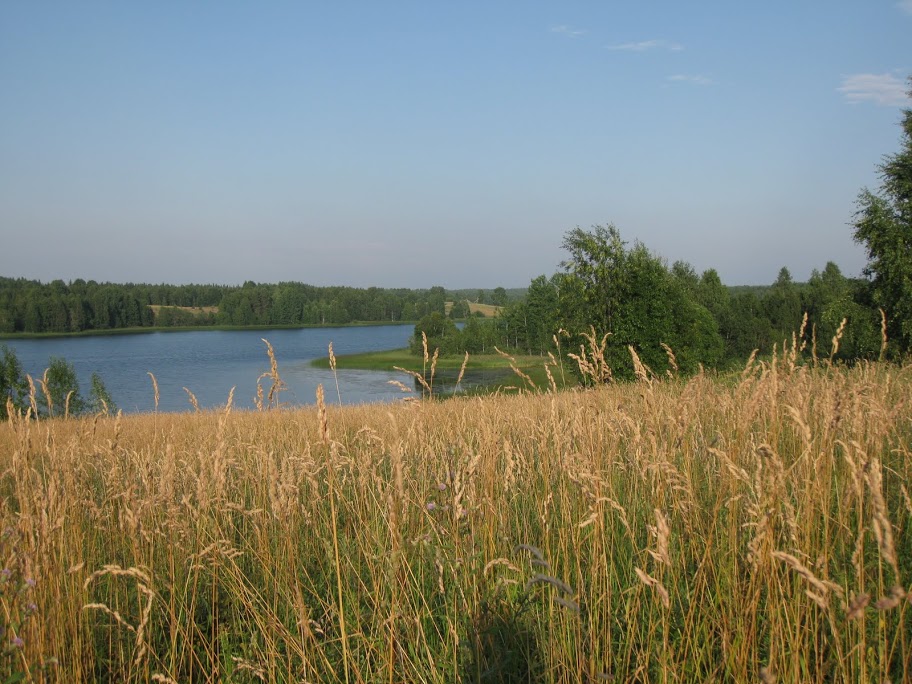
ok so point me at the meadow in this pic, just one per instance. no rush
(754, 526)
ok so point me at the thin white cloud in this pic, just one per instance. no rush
(654, 44)
(568, 31)
(695, 79)
(884, 90)
(905, 6)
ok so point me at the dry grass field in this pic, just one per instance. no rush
(195, 310)
(488, 310)
(711, 529)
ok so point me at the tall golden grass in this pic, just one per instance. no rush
(709, 529)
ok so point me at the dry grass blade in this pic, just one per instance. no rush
(332, 366)
(891, 600)
(278, 385)
(560, 585)
(534, 550)
(516, 370)
(640, 370)
(43, 381)
(672, 361)
(465, 362)
(838, 336)
(33, 394)
(402, 387)
(321, 412)
(434, 367)
(154, 388)
(880, 522)
(592, 364)
(651, 581)
(192, 398)
(883, 335)
(662, 534)
(418, 376)
(822, 588)
(856, 607)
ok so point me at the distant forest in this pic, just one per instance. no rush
(29, 306)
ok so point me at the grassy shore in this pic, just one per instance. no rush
(488, 372)
(665, 531)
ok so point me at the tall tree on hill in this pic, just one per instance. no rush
(883, 223)
(630, 294)
(596, 266)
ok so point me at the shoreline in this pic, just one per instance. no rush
(478, 365)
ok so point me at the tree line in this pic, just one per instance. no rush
(30, 306)
(629, 292)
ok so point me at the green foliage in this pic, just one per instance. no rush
(13, 385)
(100, 400)
(442, 334)
(529, 325)
(595, 270)
(499, 297)
(61, 389)
(831, 298)
(460, 309)
(745, 327)
(631, 294)
(783, 305)
(883, 223)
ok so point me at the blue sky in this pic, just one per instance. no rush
(421, 143)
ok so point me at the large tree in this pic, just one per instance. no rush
(630, 294)
(883, 224)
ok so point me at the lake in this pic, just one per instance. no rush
(209, 363)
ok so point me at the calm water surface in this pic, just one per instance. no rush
(209, 363)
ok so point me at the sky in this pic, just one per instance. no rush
(412, 144)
